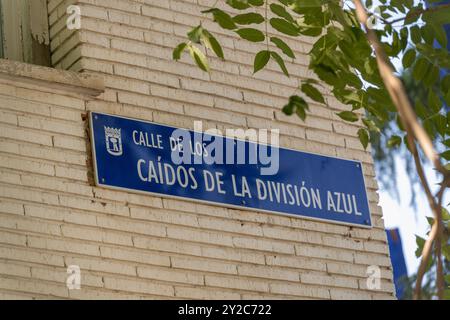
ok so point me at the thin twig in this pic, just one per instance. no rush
(417, 13)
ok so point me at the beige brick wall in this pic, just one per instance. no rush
(135, 246)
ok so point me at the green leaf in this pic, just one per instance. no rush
(363, 137)
(312, 92)
(223, 19)
(445, 83)
(420, 69)
(283, 47)
(199, 58)
(394, 141)
(284, 26)
(288, 109)
(238, 4)
(415, 34)
(281, 12)
(326, 74)
(348, 116)
(447, 98)
(420, 243)
(261, 60)
(446, 155)
(409, 58)
(176, 55)
(370, 124)
(256, 3)
(251, 34)
(427, 33)
(434, 103)
(432, 76)
(195, 34)
(301, 113)
(211, 42)
(446, 143)
(280, 62)
(248, 18)
(300, 106)
(440, 35)
(445, 215)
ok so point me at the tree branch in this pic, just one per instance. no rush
(415, 132)
(436, 209)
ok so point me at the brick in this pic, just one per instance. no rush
(69, 143)
(27, 165)
(138, 227)
(295, 262)
(50, 98)
(18, 193)
(25, 135)
(6, 295)
(51, 290)
(342, 294)
(203, 265)
(166, 245)
(12, 207)
(236, 283)
(63, 245)
(229, 226)
(28, 255)
(342, 242)
(94, 205)
(299, 290)
(9, 177)
(292, 235)
(96, 235)
(232, 255)
(101, 265)
(326, 280)
(138, 286)
(165, 216)
(322, 252)
(139, 256)
(12, 269)
(167, 274)
(263, 245)
(372, 259)
(268, 272)
(199, 236)
(205, 294)
(71, 173)
(102, 294)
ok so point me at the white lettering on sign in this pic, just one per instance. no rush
(147, 140)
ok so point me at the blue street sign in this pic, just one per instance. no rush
(141, 156)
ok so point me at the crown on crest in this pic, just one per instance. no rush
(113, 132)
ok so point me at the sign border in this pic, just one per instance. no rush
(99, 184)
